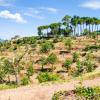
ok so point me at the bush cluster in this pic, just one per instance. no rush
(88, 93)
(46, 76)
(46, 47)
(92, 47)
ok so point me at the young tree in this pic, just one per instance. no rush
(75, 56)
(46, 47)
(17, 67)
(79, 66)
(52, 58)
(68, 43)
(30, 71)
(89, 66)
(67, 64)
(8, 68)
(43, 62)
(2, 73)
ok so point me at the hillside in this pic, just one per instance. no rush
(32, 60)
(32, 55)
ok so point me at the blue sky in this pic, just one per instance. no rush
(22, 17)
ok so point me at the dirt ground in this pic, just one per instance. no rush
(42, 92)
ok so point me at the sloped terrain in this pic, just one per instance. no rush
(62, 64)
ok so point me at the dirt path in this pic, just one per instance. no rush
(45, 92)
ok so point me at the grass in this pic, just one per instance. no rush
(87, 76)
(79, 93)
(46, 77)
(90, 75)
(5, 86)
(89, 93)
(59, 95)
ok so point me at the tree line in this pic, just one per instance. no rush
(74, 26)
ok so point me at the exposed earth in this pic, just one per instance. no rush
(43, 92)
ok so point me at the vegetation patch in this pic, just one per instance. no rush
(88, 93)
(7, 86)
(92, 47)
(59, 95)
(25, 81)
(46, 76)
(80, 93)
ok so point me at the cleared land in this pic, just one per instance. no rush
(42, 92)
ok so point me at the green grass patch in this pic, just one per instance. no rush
(46, 77)
(90, 75)
(88, 93)
(5, 86)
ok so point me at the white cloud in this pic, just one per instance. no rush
(6, 3)
(35, 13)
(50, 9)
(92, 4)
(53, 10)
(33, 10)
(39, 13)
(34, 16)
(8, 15)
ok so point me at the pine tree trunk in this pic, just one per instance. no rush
(92, 28)
(74, 30)
(89, 30)
(97, 31)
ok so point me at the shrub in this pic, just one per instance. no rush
(75, 56)
(26, 40)
(43, 62)
(92, 47)
(58, 95)
(67, 64)
(33, 45)
(25, 81)
(7, 86)
(2, 74)
(68, 43)
(46, 47)
(79, 70)
(88, 93)
(89, 56)
(89, 66)
(45, 76)
(79, 65)
(52, 58)
(30, 71)
(57, 39)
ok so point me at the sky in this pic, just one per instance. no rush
(22, 17)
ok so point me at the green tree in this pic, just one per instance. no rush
(25, 80)
(43, 62)
(2, 73)
(75, 56)
(86, 32)
(52, 59)
(67, 64)
(68, 43)
(46, 47)
(30, 71)
(74, 22)
(8, 68)
(66, 20)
